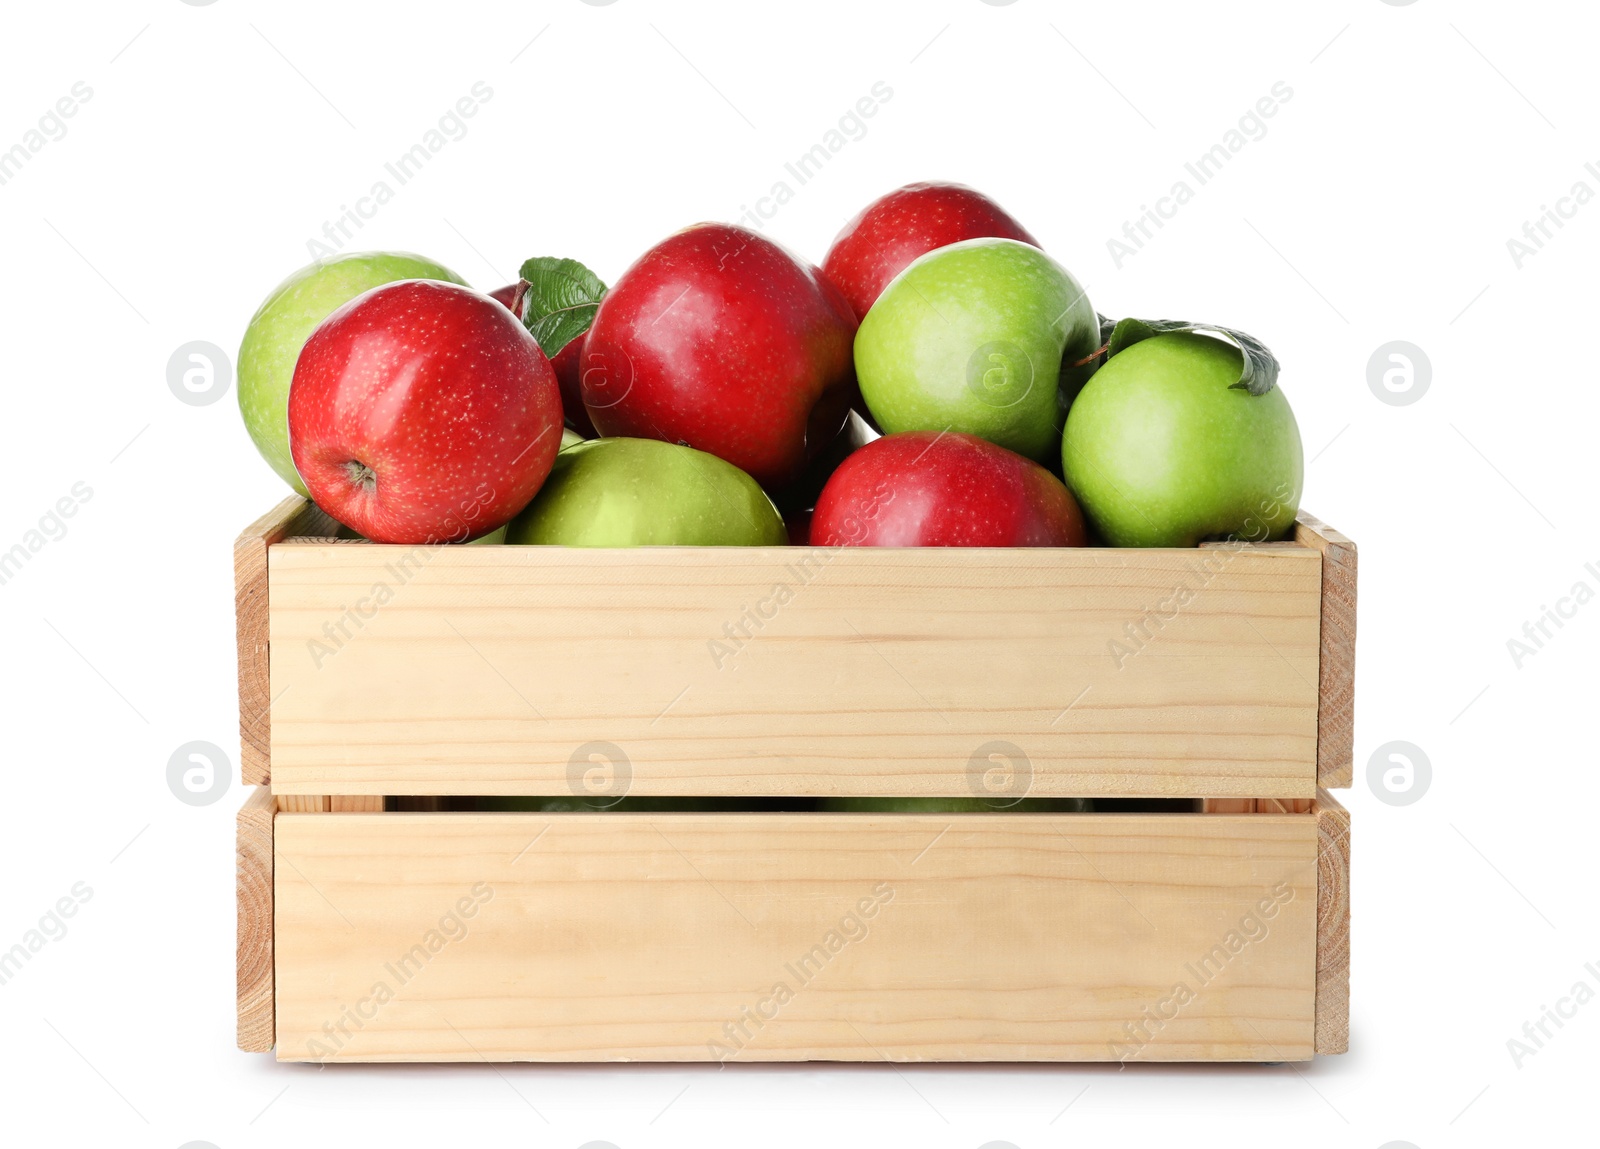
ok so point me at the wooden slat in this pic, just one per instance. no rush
(1285, 805)
(1333, 925)
(356, 803)
(637, 937)
(254, 892)
(291, 517)
(304, 803)
(1228, 805)
(1337, 675)
(484, 670)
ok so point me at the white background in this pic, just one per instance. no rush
(218, 139)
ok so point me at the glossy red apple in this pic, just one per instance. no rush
(944, 489)
(423, 412)
(892, 231)
(720, 339)
(511, 296)
(567, 362)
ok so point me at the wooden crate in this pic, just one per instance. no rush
(400, 931)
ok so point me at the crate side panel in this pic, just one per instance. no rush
(485, 670)
(466, 937)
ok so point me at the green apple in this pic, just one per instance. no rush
(1163, 450)
(641, 493)
(953, 805)
(570, 438)
(972, 338)
(283, 323)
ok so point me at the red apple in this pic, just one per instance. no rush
(512, 296)
(944, 489)
(568, 366)
(567, 362)
(720, 339)
(890, 232)
(423, 412)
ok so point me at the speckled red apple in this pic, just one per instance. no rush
(932, 489)
(423, 412)
(892, 231)
(720, 339)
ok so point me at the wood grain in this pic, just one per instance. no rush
(293, 516)
(253, 879)
(1285, 805)
(580, 937)
(1337, 676)
(1257, 805)
(356, 803)
(1333, 925)
(486, 670)
(304, 803)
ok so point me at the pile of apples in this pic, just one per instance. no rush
(938, 381)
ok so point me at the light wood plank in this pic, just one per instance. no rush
(483, 670)
(356, 803)
(304, 803)
(1337, 676)
(1333, 925)
(1285, 805)
(250, 615)
(577, 937)
(253, 881)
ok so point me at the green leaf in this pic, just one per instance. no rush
(1260, 373)
(560, 328)
(560, 302)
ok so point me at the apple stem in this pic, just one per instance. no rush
(1093, 355)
